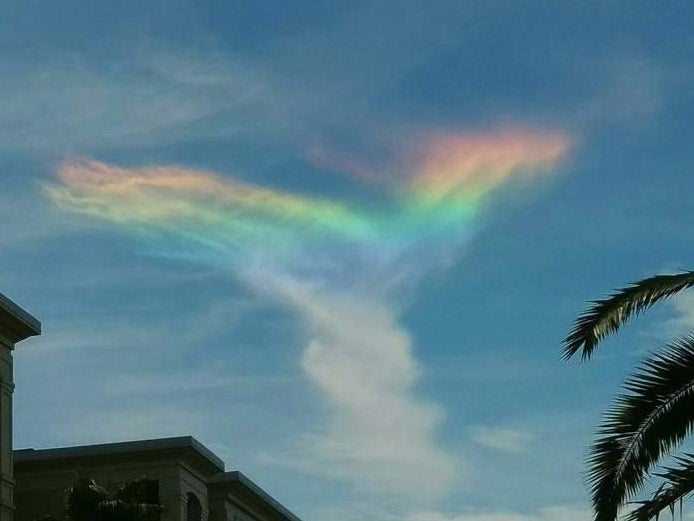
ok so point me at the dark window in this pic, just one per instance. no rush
(193, 508)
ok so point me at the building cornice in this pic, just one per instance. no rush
(16, 324)
(236, 481)
(181, 444)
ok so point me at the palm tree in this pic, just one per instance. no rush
(651, 418)
(133, 501)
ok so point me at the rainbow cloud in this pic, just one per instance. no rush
(457, 170)
(220, 213)
(338, 264)
(450, 177)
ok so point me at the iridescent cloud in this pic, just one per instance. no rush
(455, 169)
(339, 264)
(450, 177)
(218, 212)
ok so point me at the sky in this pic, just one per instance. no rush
(340, 243)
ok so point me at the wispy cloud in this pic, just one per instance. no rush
(501, 438)
(61, 104)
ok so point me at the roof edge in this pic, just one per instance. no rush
(21, 324)
(239, 477)
(124, 447)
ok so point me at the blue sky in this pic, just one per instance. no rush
(468, 413)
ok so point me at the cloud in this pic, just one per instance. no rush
(60, 104)
(451, 177)
(683, 308)
(379, 436)
(501, 438)
(342, 266)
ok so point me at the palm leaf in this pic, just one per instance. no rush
(654, 416)
(679, 482)
(607, 316)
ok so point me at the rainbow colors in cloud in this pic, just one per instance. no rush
(342, 265)
(461, 169)
(218, 211)
(447, 178)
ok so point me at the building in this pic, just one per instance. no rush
(190, 481)
(15, 325)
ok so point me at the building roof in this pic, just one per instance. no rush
(239, 482)
(15, 323)
(235, 482)
(185, 443)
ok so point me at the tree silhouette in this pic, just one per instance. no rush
(134, 501)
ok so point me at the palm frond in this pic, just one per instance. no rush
(679, 482)
(649, 420)
(606, 316)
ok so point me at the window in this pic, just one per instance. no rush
(193, 508)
